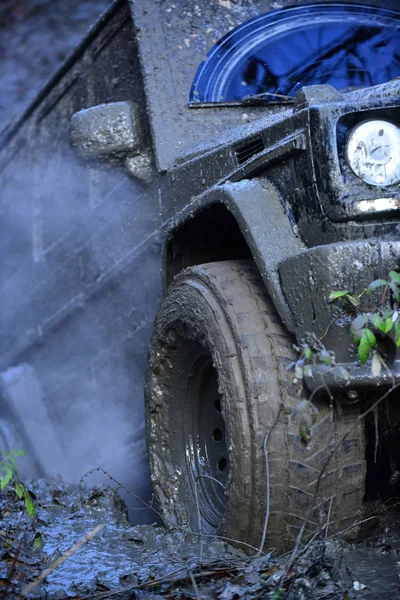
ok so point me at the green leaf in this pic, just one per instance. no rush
(388, 325)
(19, 489)
(357, 326)
(367, 342)
(6, 479)
(388, 313)
(305, 434)
(367, 333)
(17, 452)
(277, 595)
(325, 357)
(7, 465)
(394, 276)
(30, 507)
(379, 322)
(374, 285)
(335, 295)
(38, 541)
(353, 300)
(397, 333)
(308, 352)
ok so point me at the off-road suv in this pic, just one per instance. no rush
(263, 150)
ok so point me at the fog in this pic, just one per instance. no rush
(79, 287)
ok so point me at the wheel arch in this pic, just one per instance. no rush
(212, 234)
(241, 220)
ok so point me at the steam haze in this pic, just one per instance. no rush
(80, 280)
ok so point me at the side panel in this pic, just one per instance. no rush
(177, 34)
(80, 282)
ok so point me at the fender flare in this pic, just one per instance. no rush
(266, 224)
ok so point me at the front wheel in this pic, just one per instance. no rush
(216, 384)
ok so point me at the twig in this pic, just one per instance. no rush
(384, 294)
(352, 526)
(194, 584)
(328, 518)
(11, 571)
(212, 479)
(62, 559)
(168, 579)
(134, 586)
(322, 471)
(267, 497)
(324, 333)
(188, 575)
(164, 518)
(344, 531)
(227, 539)
(388, 370)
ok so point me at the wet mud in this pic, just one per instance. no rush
(80, 545)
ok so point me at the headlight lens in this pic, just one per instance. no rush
(373, 152)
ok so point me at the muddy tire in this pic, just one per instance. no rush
(216, 381)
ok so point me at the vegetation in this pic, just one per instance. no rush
(10, 476)
(367, 328)
(366, 325)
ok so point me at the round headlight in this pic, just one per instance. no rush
(373, 152)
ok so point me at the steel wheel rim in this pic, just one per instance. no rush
(205, 440)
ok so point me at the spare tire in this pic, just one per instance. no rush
(216, 383)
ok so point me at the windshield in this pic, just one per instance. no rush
(346, 46)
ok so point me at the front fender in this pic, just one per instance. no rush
(266, 225)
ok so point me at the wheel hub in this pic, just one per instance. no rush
(205, 444)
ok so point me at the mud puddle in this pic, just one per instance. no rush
(81, 545)
(374, 562)
(117, 557)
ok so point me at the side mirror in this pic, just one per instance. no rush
(112, 133)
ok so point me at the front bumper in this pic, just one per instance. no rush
(307, 280)
(352, 377)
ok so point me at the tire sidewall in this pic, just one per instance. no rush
(192, 313)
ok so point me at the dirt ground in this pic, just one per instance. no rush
(80, 545)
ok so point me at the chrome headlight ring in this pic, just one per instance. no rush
(373, 152)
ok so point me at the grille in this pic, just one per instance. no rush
(248, 149)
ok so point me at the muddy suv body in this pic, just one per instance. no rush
(115, 191)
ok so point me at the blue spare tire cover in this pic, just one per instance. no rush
(345, 45)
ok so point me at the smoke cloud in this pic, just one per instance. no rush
(80, 285)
